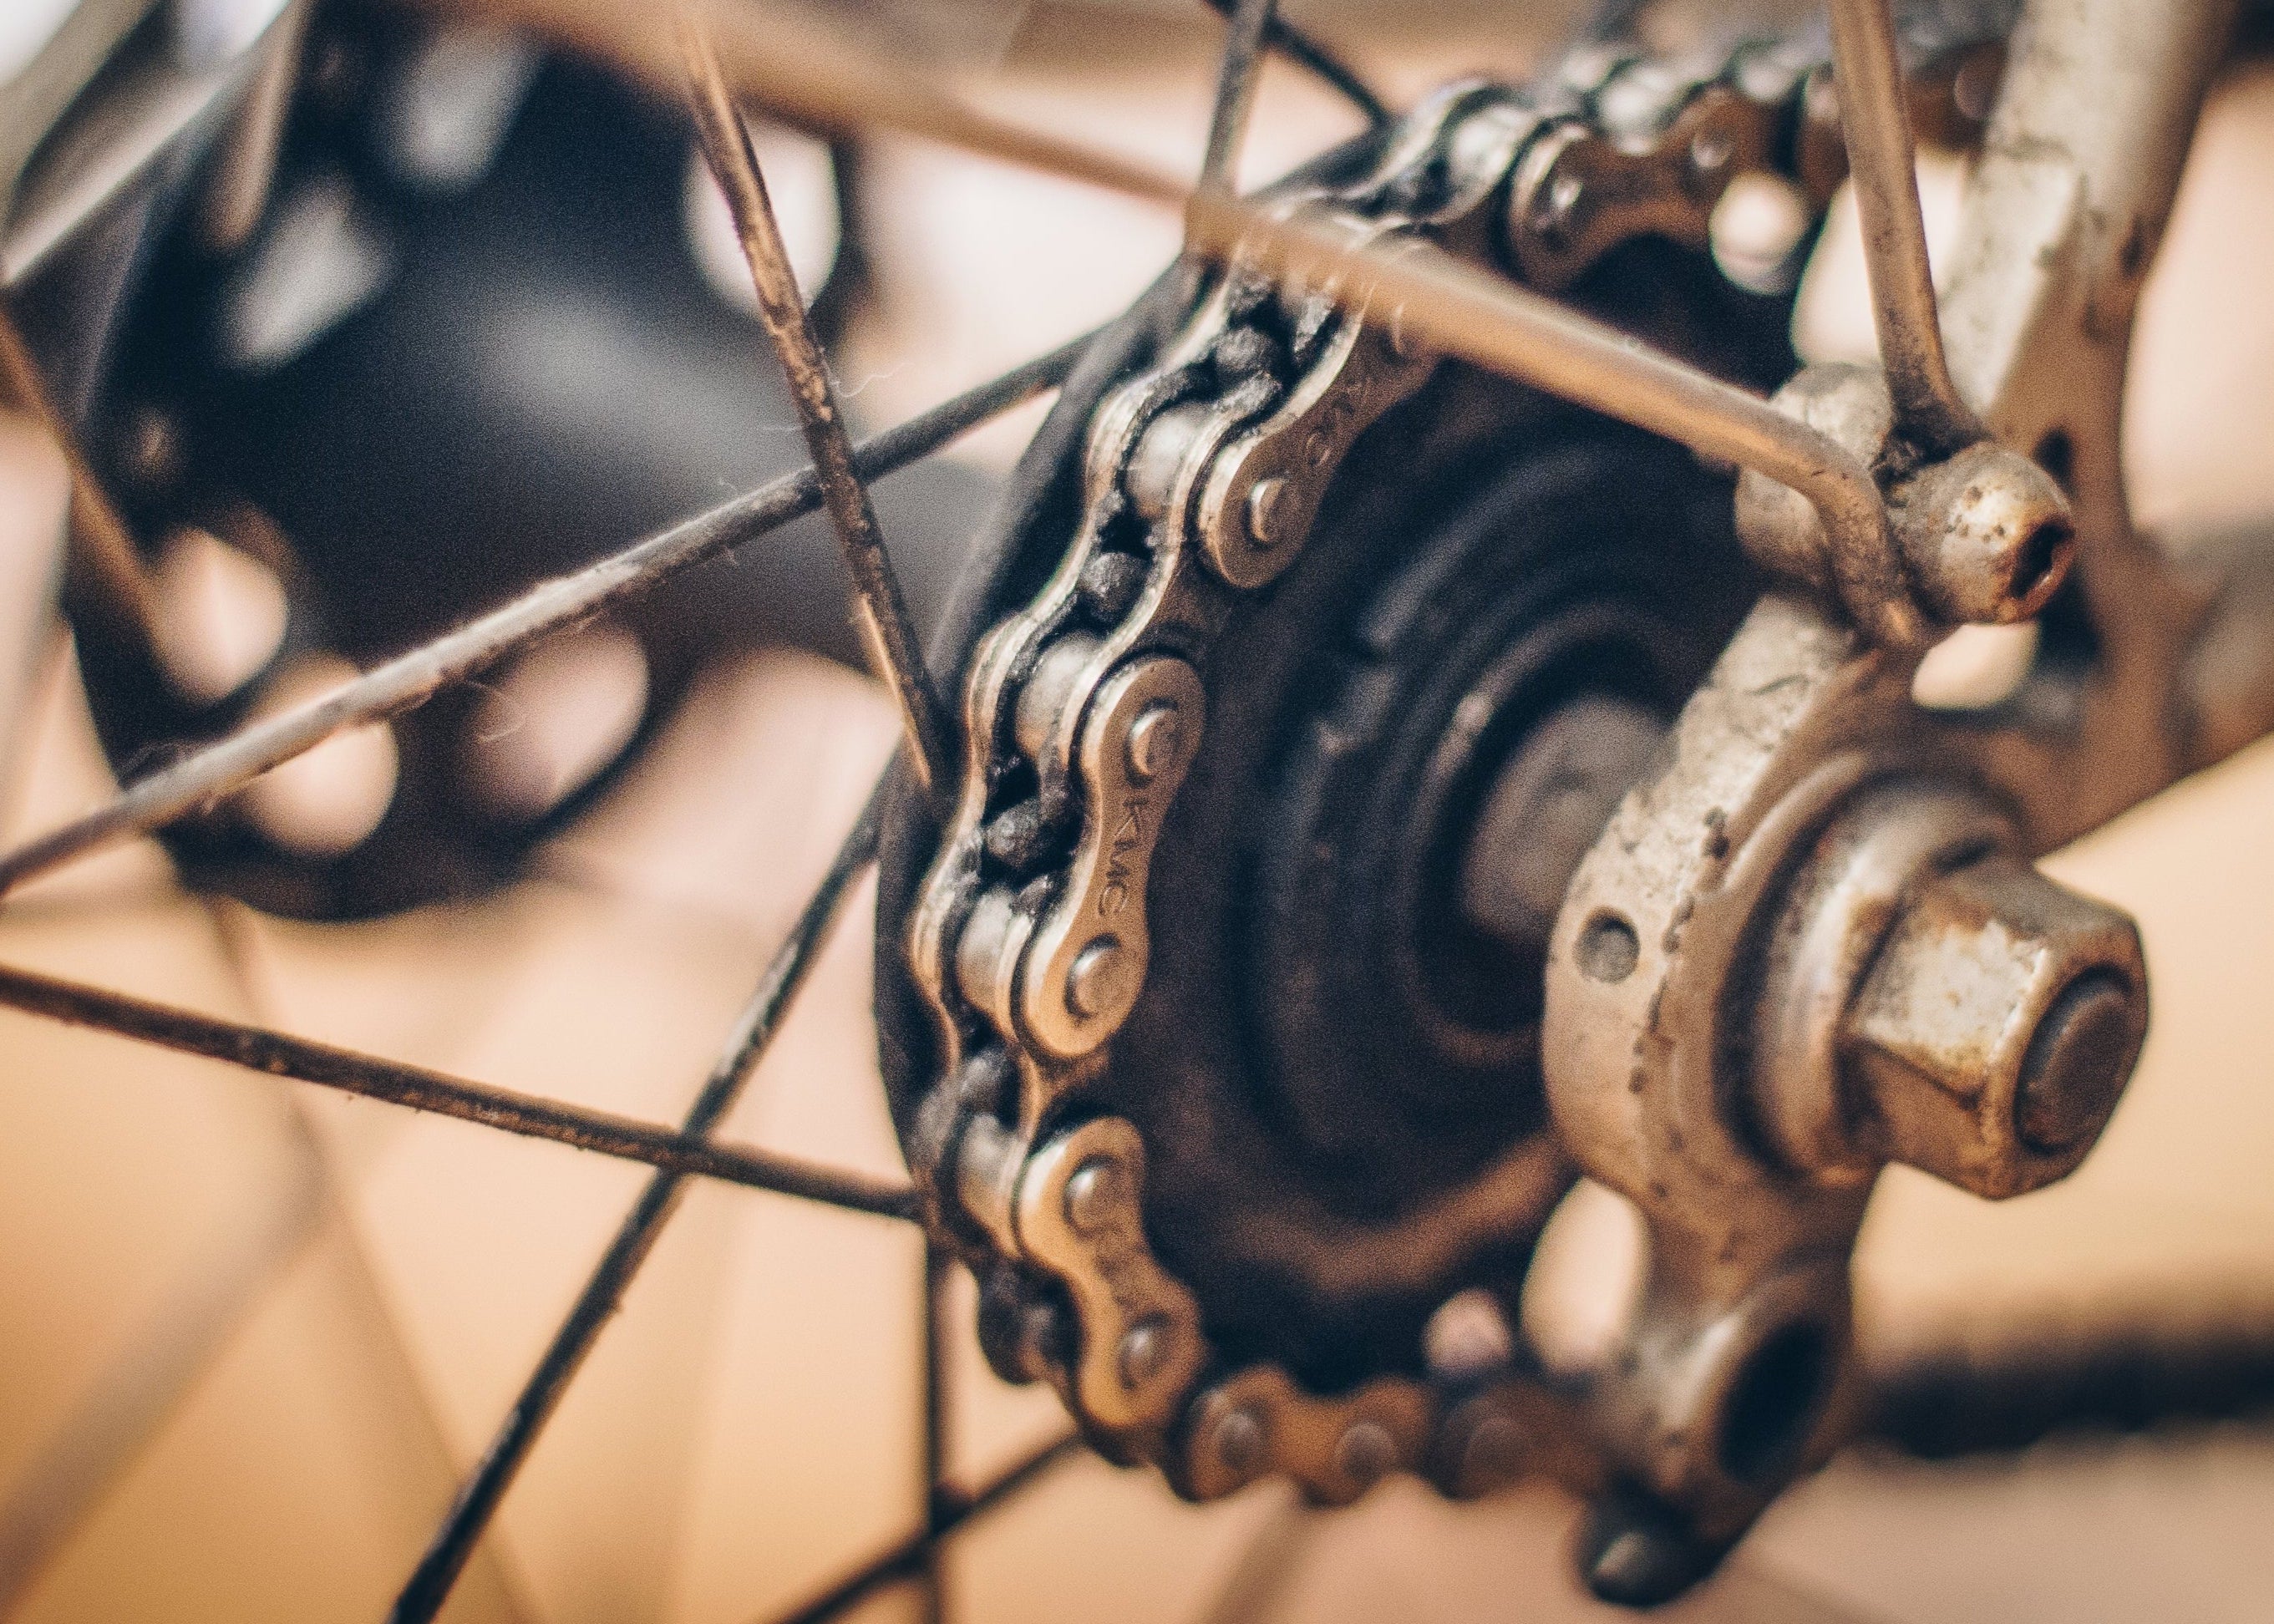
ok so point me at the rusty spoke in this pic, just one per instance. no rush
(1235, 91)
(952, 1509)
(430, 1582)
(893, 642)
(1315, 58)
(552, 606)
(280, 1055)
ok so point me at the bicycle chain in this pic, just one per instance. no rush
(1083, 710)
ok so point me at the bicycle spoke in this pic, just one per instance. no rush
(805, 77)
(103, 574)
(245, 169)
(280, 1055)
(1270, 1560)
(953, 1509)
(552, 606)
(893, 644)
(1300, 48)
(934, 1441)
(429, 1585)
(1235, 93)
(1447, 305)
(1876, 120)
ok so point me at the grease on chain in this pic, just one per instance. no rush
(1083, 710)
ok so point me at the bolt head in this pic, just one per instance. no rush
(1987, 533)
(1238, 1439)
(1265, 501)
(2078, 1060)
(1094, 1195)
(1365, 1454)
(1996, 1029)
(1095, 980)
(1144, 1350)
(1156, 740)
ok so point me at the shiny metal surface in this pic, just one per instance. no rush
(1882, 165)
(891, 638)
(1936, 1000)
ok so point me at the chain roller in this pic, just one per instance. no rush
(1083, 710)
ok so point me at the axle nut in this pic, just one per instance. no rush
(1997, 1027)
(1985, 534)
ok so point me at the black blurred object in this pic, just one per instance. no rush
(527, 371)
(1940, 1406)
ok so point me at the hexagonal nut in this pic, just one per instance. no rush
(1997, 1027)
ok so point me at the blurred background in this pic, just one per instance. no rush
(252, 1335)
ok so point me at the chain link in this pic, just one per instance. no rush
(1084, 710)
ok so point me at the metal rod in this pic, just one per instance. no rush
(279, 1055)
(1300, 47)
(430, 1582)
(552, 606)
(891, 638)
(1446, 304)
(1270, 1560)
(933, 1593)
(1881, 160)
(105, 574)
(807, 77)
(952, 1509)
(246, 168)
(1235, 93)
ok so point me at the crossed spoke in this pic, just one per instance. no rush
(951, 1509)
(478, 1500)
(892, 641)
(279, 1054)
(1292, 42)
(732, 57)
(560, 604)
